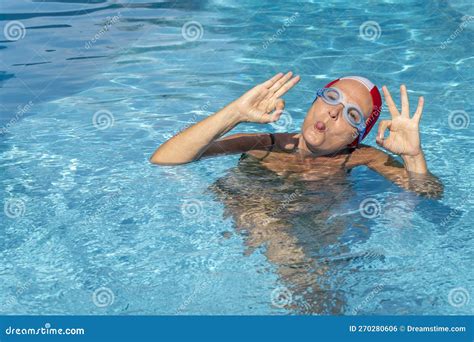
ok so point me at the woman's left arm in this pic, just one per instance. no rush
(403, 140)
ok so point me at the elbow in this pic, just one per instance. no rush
(433, 194)
(161, 156)
(154, 160)
(437, 188)
(165, 155)
(438, 191)
(433, 189)
(158, 159)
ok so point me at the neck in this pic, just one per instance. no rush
(306, 150)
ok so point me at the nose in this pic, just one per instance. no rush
(334, 111)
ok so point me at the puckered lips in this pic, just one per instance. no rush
(320, 126)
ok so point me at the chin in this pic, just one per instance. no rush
(318, 143)
(314, 139)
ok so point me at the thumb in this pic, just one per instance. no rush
(280, 104)
(279, 107)
(384, 124)
(275, 115)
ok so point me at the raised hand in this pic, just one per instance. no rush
(262, 103)
(404, 134)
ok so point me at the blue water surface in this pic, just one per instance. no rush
(89, 89)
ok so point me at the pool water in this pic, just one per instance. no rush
(89, 90)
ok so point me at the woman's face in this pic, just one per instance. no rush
(324, 129)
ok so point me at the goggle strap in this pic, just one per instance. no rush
(361, 135)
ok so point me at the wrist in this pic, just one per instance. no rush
(233, 112)
(415, 163)
(230, 115)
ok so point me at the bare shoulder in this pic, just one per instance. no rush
(283, 142)
(286, 141)
(366, 155)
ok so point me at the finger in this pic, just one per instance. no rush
(391, 105)
(269, 118)
(288, 85)
(384, 124)
(278, 84)
(280, 104)
(279, 110)
(405, 103)
(275, 116)
(271, 81)
(419, 109)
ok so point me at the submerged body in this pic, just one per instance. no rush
(289, 220)
(294, 218)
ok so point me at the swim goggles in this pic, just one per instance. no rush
(351, 112)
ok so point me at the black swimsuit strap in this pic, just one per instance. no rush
(347, 159)
(272, 141)
(272, 138)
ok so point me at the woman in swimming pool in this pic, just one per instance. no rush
(341, 116)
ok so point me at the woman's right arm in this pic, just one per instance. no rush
(261, 104)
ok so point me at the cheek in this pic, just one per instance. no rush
(316, 110)
(347, 130)
(320, 110)
(342, 134)
(342, 128)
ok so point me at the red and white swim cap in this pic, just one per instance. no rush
(376, 103)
